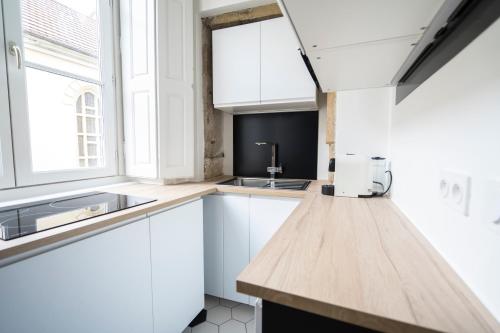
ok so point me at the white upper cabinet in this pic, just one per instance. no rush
(236, 65)
(258, 66)
(158, 99)
(284, 77)
(358, 43)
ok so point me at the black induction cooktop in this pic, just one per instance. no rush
(29, 218)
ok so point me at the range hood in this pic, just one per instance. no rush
(455, 25)
(359, 44)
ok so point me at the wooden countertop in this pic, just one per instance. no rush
(356, 260)
(166, 195)
(362, 262)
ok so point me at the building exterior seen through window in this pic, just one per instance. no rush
(63, 78)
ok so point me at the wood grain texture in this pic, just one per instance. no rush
(244, 16)
(331, 110)
(166, 195)
(356, 260)
(359, 261)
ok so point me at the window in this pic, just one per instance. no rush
(60, 70)
(88, 120)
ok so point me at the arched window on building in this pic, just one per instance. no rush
(89, 131)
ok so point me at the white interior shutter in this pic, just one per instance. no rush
(175, 40)
(137, 19)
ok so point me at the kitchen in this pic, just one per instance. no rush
(249, 166)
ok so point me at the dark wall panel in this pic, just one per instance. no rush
(296, 134)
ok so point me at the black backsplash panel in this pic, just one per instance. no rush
(296, 135)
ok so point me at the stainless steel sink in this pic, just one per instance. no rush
(284, 184)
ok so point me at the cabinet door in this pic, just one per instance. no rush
(100, 284)
(284, 76)
(177, 266)
(213, 244)
(267, 214)
(236, 65)
(236, 243)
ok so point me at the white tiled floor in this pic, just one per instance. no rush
(224, 316)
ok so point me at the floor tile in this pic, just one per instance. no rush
(251, 326)
(218, 315)
(211, 301)
(205, 327)
(232, 326)
(243, 313)
(228, 303)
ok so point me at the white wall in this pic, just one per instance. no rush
(452, 121)
(363, 118)
(215, 7)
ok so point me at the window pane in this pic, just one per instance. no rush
(53, 128)
(90, 111)
(92, 149)
(81, 151)
(89, 99)
(91, 127)
(79, 124)
(82, 163)
(79, 105)
(62, 34)
(93, 163)
(91, 138)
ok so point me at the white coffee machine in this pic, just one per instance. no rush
(359, 176)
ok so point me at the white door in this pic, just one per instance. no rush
(100, 284)
(236, 243)
(177, 266)
(6, 161)
(137, 19)
(236, 65)
(213, 244)
(175, 63)
(284, 76)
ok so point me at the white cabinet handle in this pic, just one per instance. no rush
(16, 51)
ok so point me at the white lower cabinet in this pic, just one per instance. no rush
(177, 266)
(236, 228)
(99, 284)
(143, 277)
(213, 244)
(267, 214)
(236, 243)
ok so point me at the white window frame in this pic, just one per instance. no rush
(6, 161)
(25, 175)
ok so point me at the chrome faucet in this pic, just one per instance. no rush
(273, 169)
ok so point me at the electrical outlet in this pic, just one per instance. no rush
(454, 188)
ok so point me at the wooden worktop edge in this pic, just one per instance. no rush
(106, 221)
(352, 316)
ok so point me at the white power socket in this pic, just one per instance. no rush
(454, 188)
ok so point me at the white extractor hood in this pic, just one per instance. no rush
(355, 44)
